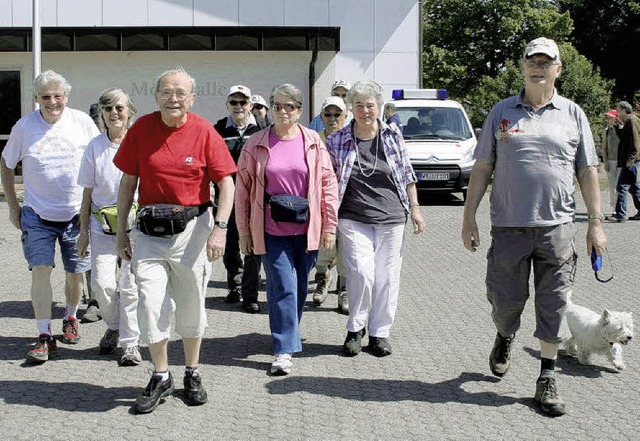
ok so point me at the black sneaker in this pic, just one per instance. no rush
(547, 396)
(252, 307)
(153, 393)
(234, 296)
(500, 357)
(194, 392)
(109, 342)
(379, 346)
(635, 217)
(615, 218)
(353, 343)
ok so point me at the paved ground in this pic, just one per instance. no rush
(436, 385)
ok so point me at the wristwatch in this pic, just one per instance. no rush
(221, 224)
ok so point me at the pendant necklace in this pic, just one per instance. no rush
(375, 163)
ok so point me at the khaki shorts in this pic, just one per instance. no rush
(173, 272)
(552, 254)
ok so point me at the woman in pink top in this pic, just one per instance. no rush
(286, 158)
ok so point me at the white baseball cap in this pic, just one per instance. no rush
(243, 90)
(258, 99)
(544, 46)
(341, 83)
(334, 101)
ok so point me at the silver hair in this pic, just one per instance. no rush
(288, 90)
(109, 97)
(178, 70)
(49, 77)
(624, 105)
(368, 89)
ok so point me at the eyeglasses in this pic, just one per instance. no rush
(332, 115)
(108, 109)
(341, 95)
(546, 65)
(288, 107)
(181, 95)
(235, 103)
(48, 97)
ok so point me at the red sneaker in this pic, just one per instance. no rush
(70, 331)
(45, 348)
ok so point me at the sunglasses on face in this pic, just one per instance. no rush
(108, 109)
(288, 107)
(546, 65)
(259, 106)
(235, 103)
(341, 95)
(332, 115)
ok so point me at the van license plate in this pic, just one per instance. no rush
(433, 176)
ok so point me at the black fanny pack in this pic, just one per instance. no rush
(166, 220)
(288, 208)
(59, 224)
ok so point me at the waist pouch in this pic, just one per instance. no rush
(162, 220)
(288, 208)
(108, 218)
(59, 224)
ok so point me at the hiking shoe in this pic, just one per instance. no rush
(155, 391)
(251, 307)
(343, 303)
(131, 356)
(45, 348)
(281, 365)
(353, 343)
(547, 396)
(92, 314)
(500, 357)
(109, 341)
(70, 331)
(379, 346)
(322, 289)
(194, 392)
(234, 296)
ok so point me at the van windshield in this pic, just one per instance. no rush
(433, 123)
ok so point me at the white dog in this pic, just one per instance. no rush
(598, 334)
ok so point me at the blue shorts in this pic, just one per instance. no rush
(39, 242)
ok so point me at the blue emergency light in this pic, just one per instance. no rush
(419, 94)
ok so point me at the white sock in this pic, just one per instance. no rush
(70, 312)
(44, 326)
(163, 375)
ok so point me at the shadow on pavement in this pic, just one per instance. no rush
(23, 309)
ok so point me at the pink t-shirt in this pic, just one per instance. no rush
(286, 172)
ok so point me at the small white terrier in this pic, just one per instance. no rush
(598, 334)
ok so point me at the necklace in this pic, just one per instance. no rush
(375, 162)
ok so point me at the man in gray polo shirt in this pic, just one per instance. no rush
(533, 144)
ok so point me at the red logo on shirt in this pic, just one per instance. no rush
(504, 131)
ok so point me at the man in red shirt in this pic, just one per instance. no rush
(171, 156)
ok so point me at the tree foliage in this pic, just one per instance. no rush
(473, 48)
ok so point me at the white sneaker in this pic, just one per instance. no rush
(282, 364)
(131, 357)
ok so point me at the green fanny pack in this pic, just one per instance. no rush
(108, 218)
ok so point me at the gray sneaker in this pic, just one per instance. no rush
(131, 357)
(322, 289)
(547, 396)
(109, 341)
(92, 314)
(343, 302)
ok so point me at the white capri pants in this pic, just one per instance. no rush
(113, 286)
(177, 269)
(373, 257)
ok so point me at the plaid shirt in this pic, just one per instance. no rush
(343, 151)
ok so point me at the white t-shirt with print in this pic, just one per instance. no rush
(51, 156)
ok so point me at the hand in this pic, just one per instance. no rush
(216, 243)
(246, 244)
(15, 217)
(327, 241)
(470, 235)
(83, 243)
(417, 220)
(596, 238)
(124, 247)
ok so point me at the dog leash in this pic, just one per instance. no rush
(596, 265)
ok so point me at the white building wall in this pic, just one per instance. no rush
(379, 41)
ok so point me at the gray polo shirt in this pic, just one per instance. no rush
(535, 156)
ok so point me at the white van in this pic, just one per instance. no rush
(439, 138)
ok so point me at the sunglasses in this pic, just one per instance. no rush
(341, 95)
(235, 103)
(259, 106)
(332, 115)
(288, 107)
(108, 109)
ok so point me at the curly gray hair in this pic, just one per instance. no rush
(367, 89)
(49, 77)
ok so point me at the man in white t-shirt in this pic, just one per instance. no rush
(50, 143)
